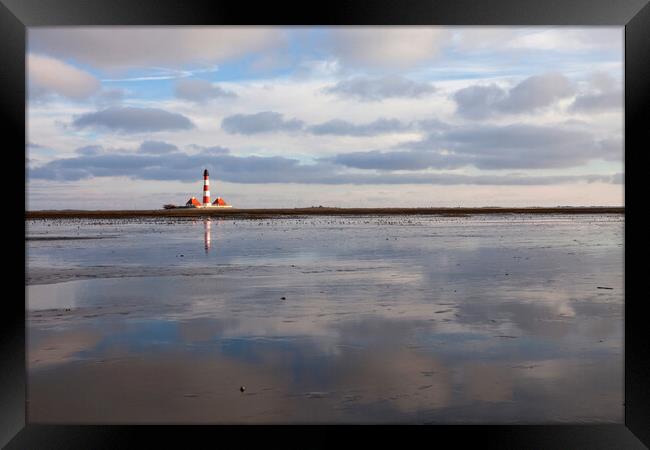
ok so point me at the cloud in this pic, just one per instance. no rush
(110, 97)
(387, 47)
(579, 39)
(400, 160)
(516, 146)
(536, 92)
(129, 47)
(603, 82)
(49, 76)
(536, 39)
(255, 169)
(377, 89)
(200, 91)
(90, 150)
(214, 150)
(478, 102)
(598, 102)
(157, 147)
(170, 166)
(339, 127)
(224, 166)
(531, 94)
(604, 94)
(522, 146)
(262, 122)
(133, 120)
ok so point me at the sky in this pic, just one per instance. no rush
(128, 117)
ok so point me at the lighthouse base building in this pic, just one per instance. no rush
(218, 203)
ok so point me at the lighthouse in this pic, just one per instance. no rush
(206, 188)
(218, 203)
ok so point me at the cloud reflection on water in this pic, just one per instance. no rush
(410, 329)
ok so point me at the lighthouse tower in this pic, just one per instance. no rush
(206, 188)
(195, 203)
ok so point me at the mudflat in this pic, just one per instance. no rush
(316, 211)
(511, 318)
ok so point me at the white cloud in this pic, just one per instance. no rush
(557, 39)
(398, 47)
(50, 76)
(335, 125)
(128, 47)
(574, 39)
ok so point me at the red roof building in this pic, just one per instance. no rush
(193, 202)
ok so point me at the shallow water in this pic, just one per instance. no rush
(482, 319)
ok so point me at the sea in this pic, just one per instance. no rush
(478, 319)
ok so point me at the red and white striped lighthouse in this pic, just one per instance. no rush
(206, 188)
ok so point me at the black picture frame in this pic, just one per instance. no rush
(17, 15)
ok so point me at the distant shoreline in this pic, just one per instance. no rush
(317, 211)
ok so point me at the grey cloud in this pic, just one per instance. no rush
(215, 150)
(603, 82)
(157, 147)
(489, 147)
(339, 127)
(432, 125)
(485, 180)
(537, 92)
(597, 102)
(200, 91)
(133, 120)
(173, 166)
(89, 150)
(524, 146)
(262, 122)
(611, 148)
(377, 89)
(533, 93)
(478, 102)
(400, 160)
(257, 169)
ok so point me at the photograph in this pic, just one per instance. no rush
(237, 225)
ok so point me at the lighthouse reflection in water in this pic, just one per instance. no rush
(207, 234)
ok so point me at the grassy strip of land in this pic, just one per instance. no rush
(317, 211)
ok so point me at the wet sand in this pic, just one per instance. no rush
(374, 319)
(318, 211)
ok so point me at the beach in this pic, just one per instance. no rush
(456, 316)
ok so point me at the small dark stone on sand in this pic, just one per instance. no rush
(283, 298)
